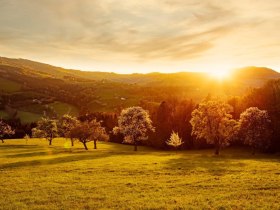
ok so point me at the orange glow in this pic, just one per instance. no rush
(220, 75)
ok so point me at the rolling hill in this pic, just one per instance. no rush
(28, 88)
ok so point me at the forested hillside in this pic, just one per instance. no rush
(29, 89)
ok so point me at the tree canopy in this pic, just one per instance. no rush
(46, 128)
(5, 130)
(255, 128)
(212, 121)
(134, 123)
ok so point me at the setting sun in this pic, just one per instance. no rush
(220, 74)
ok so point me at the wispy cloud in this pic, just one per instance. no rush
(172, 34)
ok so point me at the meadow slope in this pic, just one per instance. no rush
(36, 176)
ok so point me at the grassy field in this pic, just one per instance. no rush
(64, 108)
(36, 176)
(28, 117)
(9, 86)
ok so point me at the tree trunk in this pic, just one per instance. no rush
(2, 140)
(50, 141)
(135, 146)
(253, 151)
(95, 147)
(72, 142)
(85, 145)
(217, 149)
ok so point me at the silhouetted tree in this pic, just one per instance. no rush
(86, 132)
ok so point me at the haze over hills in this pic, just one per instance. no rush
(247, 73)
(28, 89)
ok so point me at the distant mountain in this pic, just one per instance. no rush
(253, 76)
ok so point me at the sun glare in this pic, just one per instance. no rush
(220, 74)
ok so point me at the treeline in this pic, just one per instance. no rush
(251, 120)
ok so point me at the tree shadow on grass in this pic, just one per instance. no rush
(20, 146)
(65, 159)
(216, 165)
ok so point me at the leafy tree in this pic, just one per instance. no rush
(46, 128)
(86, 132)
(26, 137)
(134, 123)
(174, 140)
(65, 124)
(5, 130)
(255, 127)
(212, 121)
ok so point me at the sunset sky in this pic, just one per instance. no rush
(128, 36)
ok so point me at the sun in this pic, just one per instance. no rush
(220, 74)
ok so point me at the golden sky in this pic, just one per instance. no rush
(128, 36)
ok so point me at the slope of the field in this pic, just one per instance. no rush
(36, 176)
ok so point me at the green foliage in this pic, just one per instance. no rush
(64, 108)
(4, 115)
(28, 117)
(9, 86)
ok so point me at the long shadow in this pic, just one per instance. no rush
(58, 160)
(9, 146)
(215, 165)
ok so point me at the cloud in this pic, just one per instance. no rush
(167, 31)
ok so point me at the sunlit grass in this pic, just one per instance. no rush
(36, 176)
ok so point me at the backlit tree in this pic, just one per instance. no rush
(174, 140)
(65, 124)
(5, 130)
(46, 128)
(212, 121)
(134, 123)
(255, 128)
(86, 132)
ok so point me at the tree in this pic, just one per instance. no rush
(174, 140)
(46, 128)
(212, 121)
(26, 137)
(5, 130)
(255, 127)
(134, 123)
(86, 132)
(65, 124)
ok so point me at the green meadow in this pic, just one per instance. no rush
(9, 86)
(37, 176)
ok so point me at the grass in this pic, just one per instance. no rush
(36, 176)
(64, 108)
(28, 117)
(3, 114)
(9, 86)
